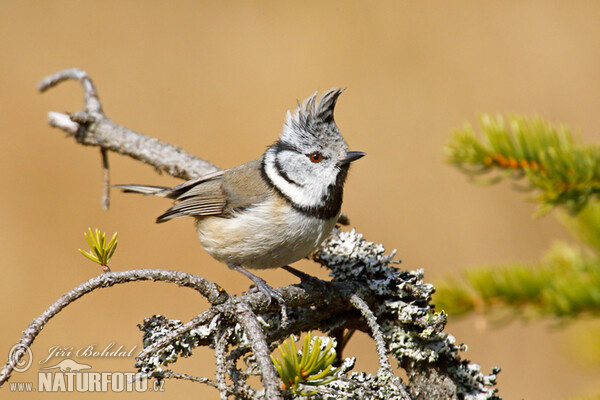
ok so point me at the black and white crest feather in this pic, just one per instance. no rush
(313, 120)
(314, 188)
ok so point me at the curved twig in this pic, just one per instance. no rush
(92, 101)
(106, 180)
(363, 307)
(92, 128)
(210, 290)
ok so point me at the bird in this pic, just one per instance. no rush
(274, 210)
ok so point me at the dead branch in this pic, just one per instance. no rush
(213, 293)
(92, 128)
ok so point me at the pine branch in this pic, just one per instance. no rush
(563, 171)
(565, 284)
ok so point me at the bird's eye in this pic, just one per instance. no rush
(315, 157)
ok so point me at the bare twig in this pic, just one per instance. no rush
(251, 326)
(247, 393)
(220, 353)
(168, 374)
(92, 102)
(92, 128)
(106, 181)
(64, 122)
(363, 307)
(210, 290)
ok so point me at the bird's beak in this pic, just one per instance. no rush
(352, 156)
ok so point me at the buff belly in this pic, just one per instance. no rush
(269, 235)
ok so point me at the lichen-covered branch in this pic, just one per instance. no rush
(414, 335)
(211, 291)
(220, 353)
(255, 335)
(361, 305)
(367, 293)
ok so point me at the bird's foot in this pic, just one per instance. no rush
(272, 293)
(267, 290)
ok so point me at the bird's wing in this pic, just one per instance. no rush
(169, 192)
(201, 198)
(244, 186)
(179, 190)
(231, 190)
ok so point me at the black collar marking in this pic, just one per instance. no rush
(332, 200)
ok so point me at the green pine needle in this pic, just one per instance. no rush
(564, 172)
(100, 251)
(311, 367)
(565, 284)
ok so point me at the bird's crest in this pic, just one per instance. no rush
(313, 120)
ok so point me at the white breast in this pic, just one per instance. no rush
(269, 235)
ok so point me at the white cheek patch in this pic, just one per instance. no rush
(308, 195)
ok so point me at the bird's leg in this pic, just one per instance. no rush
(260, 284)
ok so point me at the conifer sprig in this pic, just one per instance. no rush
(100, 251)
(310, 367)
(564, 171)
(565, 285)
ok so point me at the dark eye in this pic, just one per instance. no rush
(315, 157)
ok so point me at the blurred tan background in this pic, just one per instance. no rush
(216, 79)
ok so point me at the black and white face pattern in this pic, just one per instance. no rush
(307, 165)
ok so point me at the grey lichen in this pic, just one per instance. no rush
(412, 332)
(158, 327)
(360, 385)
(401, 304)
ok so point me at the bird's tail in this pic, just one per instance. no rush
(147, 190)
